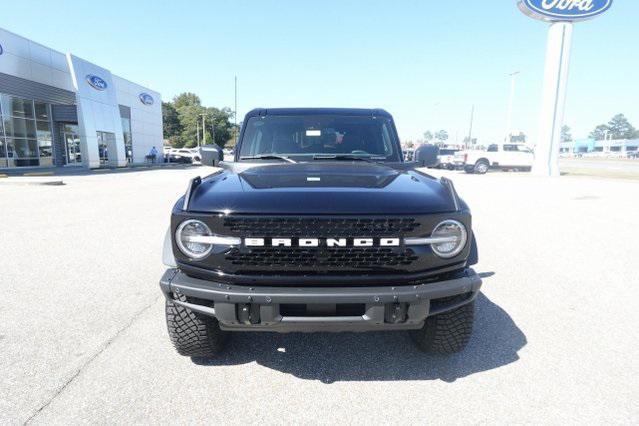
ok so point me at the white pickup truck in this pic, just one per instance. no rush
(514, 156)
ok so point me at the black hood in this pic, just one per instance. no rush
(325, 187)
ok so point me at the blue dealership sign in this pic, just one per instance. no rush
(96, 82)
(564, 10)
(146, 99)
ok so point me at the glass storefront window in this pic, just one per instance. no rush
(41, 111)
(128, 139)
(46, 153)
(21, 128)
(43, 130)
(3, 153)
(22, 152)
(21, 108)
(25, 133)
(105, 139)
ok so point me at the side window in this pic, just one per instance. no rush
(510, 148)
(493, 148)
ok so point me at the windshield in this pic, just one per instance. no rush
(313, 135)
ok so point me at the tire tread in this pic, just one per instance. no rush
(192, 334)
(446, 333)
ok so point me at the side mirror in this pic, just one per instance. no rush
(426, 155)
(211, 155)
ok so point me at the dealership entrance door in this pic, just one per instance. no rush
(71, 140)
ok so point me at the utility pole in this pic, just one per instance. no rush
(203, 129)
(509, 118)
(470, 132)
(197, 127)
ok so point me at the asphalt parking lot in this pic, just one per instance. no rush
(83, 339)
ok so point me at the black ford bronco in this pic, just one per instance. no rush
(319, 225)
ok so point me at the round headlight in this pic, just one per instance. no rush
(189, 239)
(449, 238)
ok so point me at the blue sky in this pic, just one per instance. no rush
(425, 61)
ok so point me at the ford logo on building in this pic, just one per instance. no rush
(1, 50)
(564, 10)
(96, 82)
(146, 99)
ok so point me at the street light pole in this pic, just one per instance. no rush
(235, 113)
(470, 131)
(509, 117)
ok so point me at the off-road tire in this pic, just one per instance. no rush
(446, 333)
(481, 167)
(193, 334)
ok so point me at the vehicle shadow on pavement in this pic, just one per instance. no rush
(377, 356)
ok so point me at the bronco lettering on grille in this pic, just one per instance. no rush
(317, 242)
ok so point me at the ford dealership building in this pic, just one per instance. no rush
(60, 110)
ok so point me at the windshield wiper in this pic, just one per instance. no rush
(268, 157)
(368, 159)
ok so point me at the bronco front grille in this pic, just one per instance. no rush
(318, 227)
(309, 258)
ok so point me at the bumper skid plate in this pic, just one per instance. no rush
(258, 308)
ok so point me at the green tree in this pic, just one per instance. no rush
(218, 125)
(521, 137)
(186, 99)
(191, 123)
(441, 136)
(170, 121)
(187, 121)
(620, 128)
(617, 128)
(428, 136)
(600, 132)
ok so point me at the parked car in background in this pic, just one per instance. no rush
(509, 156)
(447, 158)
(185, 155)
(409, 154)
(634, 155)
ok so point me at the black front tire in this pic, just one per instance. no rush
(446, 333)
(193, 334)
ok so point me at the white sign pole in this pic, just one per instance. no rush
(553, 99)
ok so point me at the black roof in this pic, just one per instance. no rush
(318, 111)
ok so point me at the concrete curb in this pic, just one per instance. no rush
(17, 181)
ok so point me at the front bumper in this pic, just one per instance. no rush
(258, 308)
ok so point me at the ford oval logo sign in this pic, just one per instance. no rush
(564, 10)
(146, 99)
(1, 50)
(96, 82)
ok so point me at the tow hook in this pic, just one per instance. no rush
(395, 313)
(248, 313)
